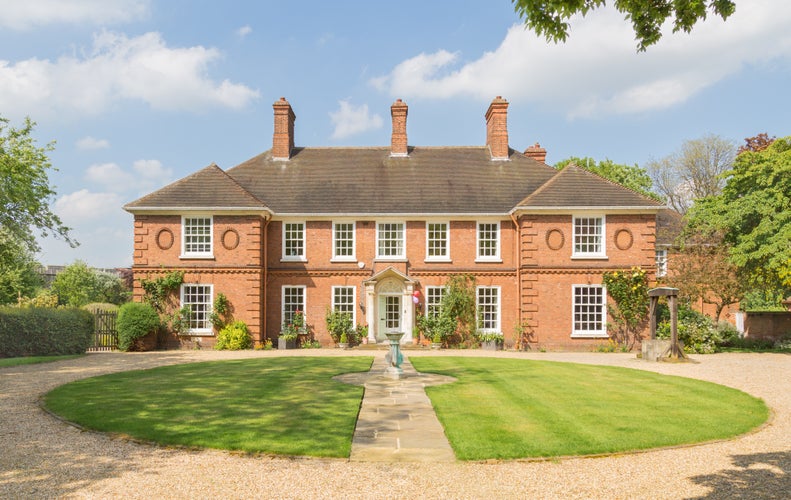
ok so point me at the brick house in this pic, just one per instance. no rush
(364, 230)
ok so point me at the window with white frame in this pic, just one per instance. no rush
(390, 242)
(661, 263)
(293, 241)
(196, 239)
(434, 296)
(590, 311)
(488, 308)
(343, 300)
(488, 241)
(293, 302)
(437, 241)
(198, 298)
(589, 237)
(343, 240)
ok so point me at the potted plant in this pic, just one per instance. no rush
(290, 331)
(343, 341)
(436, 341)
(339, 326)
(361, 332)
(491, 341)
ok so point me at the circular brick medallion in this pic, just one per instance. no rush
(555, 239)
(165, 239)
(623, 239)
(230, 239)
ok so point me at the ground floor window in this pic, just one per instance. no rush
(434, 296)
(488, 307)
(343, 300)
(589, 314)
(198, 298)
(293, 302)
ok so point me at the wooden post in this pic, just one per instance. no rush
(675, 352)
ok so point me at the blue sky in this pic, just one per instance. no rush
(139, 93)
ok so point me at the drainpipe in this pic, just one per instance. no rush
(517, 246)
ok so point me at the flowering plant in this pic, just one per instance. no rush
(293, 328)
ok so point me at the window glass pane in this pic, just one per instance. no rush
(199, 300)
(391, 240)
(488, 299)
(343, 299)
(588, 235)
(661, 263)
(589, 309)
(343, 238)
(294, 239)
(434, 296)
(293, 301)
(437, 238)
(197, 235)
(488, 239)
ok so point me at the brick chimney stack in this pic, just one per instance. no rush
(497, 128)
(537, 153)
(398, 142)
(283, 138)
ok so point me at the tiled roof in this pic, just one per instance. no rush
(576, 187)
(669, 225)
(209, 187)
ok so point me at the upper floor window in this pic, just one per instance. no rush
(589, 311)
(196, 239)
(589, 237)
(488, 308)
(343, 240)
(198, 298)
(437, 241)
(390, 240)
(293, 241)
(488, 239)
(434, 296)
(661, 263)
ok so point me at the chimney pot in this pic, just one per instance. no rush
(537, 153)
(283, 137)
(398, 139)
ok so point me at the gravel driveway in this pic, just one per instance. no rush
(41, 457)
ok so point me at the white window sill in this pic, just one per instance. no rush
(197, 256)
(293, 259)
(390, 259)
(589, 335)
(591, 256)
(343, 259)
(201, 333)
(495, 260)
(446, 260)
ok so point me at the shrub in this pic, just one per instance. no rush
(135, 321)
(32, 331)
(695, 330)
(783, 343)
(234, 337)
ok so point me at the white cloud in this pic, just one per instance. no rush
(26, 14)
(244, 31)
(90, 143)
(118, 68)
(85, 205)
(597, 71)
(350, 120)
(145, 176)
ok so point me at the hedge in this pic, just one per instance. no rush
(44, 331)
(135, 321)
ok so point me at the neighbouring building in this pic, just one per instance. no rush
(367, 229)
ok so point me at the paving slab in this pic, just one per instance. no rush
(397, 422)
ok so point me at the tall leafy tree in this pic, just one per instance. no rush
(549, 17)
(695, 171)
(631, 176)
(19, 271)
(753, 213)
(25, 190)
(76, 285)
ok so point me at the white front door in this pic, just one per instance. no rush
(389, 316)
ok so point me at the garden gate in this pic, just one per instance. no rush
(105, 335)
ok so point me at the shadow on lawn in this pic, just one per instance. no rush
(759, 475)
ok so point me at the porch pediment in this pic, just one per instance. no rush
(389, 273)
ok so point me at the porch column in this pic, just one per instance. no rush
(409, 314)
(370, 313)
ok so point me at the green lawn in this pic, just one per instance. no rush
(286, 405)
(510, 408)
(29, 360)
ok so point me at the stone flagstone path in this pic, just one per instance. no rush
(397, 422)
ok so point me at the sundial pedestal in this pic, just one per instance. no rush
(394, 358)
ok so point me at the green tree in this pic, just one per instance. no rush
(695, 171)
(76, 285)
(25, 191)
(753, 213)
(549, 17)
(630, 176)
(19, 271)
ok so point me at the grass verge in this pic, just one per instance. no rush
(510, 408)
(30, 360)
(287, 406)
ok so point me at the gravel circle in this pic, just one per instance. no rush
(42, 457)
